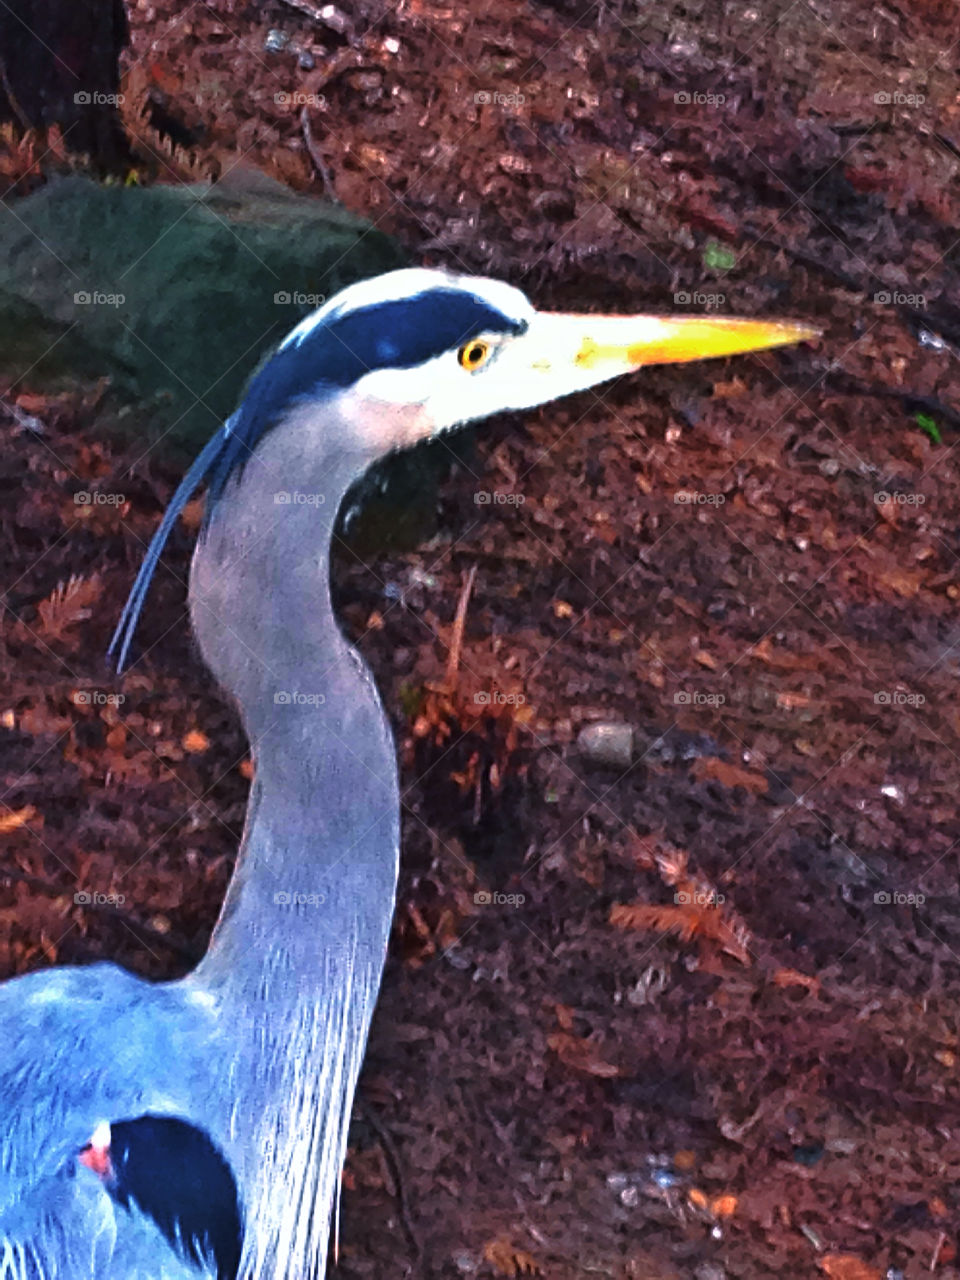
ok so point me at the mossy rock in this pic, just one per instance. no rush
(173, 292)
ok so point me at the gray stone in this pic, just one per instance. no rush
(607, 743)
(172, 292)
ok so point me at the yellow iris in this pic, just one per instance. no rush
(473, 354)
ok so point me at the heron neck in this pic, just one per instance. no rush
(295, 960)
(316, 872)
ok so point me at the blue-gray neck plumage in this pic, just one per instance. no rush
(296, 956)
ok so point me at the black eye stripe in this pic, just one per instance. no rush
(398, 334)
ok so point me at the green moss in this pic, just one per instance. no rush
(174, 293)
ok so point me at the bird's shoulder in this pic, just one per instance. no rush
(80, 1047)
(88, 1044)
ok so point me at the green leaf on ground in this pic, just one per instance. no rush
(927, 424)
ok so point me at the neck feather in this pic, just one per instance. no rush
(322, 823)
(297, 953)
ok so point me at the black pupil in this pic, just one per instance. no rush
(474, 353)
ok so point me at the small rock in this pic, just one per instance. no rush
(928, 339)
(607, 743)
(335, 19)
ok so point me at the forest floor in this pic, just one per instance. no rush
(691, 1017)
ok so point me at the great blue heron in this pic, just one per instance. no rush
(165, 1131)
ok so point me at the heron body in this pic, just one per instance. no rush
(160, 1131)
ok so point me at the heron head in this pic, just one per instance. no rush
(415, 352)
(404, 356)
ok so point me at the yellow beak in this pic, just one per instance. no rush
(630, 342)
(560, 352)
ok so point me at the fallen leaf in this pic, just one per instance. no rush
(16, 818)
(730, 775)
(944, 1253)
(581, 1055)
(729, 390)
(564, 1016)
(510, 1261)
(847, 1266)
(32, 403)
(42, 719)
(782, 658)
(902, 582)
(195, 742)
(793, 978)
(790, 701)
(694, 919)
(68, 604)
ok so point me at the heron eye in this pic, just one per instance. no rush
(473, 354)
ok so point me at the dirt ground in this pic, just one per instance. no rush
(690, 1017)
